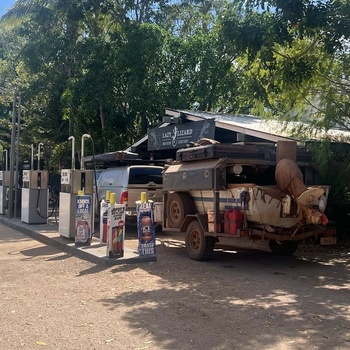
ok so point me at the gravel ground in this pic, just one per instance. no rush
(247, 298)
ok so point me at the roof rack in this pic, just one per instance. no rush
(111, 158)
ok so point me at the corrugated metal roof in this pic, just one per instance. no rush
(271, 130)
(245, 124)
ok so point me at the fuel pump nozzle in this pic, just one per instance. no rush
(39, 181)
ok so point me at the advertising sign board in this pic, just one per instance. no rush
(179, 135)
(116, 231)
(146, 229)
(83, 217)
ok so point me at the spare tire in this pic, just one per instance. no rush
(178, 205)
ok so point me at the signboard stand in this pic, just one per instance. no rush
(146, 228)
(104, 208)
(83, 220)
(116, 231)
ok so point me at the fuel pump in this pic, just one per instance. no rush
(75, 183)
(35, 194)
(4, 185)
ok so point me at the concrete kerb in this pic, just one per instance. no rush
(95, 253)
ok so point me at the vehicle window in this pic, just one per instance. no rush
(145, 175)
(109, 178)
(98, 174)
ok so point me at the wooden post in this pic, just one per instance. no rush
(286, 149)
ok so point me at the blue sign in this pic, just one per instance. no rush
(83, 215)
(146, 229)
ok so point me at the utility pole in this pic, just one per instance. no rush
(17, 151)
(12, 158)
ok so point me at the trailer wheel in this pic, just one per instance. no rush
(283, 247)
(198, 247)
(178, 205)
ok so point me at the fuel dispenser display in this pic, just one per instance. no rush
(72, 182)
(75, 183)
(35, 196)
(35, 193)
(4, 190)
(4, 184)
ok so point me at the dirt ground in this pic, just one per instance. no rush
(247, 298)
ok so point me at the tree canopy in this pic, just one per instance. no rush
(110, 68)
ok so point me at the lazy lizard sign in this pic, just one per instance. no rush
(179, 135)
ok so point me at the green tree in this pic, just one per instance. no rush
(291, 51)
(92, 71)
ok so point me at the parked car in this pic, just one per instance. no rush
(127, 182)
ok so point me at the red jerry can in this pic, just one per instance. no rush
(233, 221)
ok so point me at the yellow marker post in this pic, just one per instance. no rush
(143, 197)
(112, 198)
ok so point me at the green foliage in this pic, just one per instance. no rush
(333, 161)
(110, 68)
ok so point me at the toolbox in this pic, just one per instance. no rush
(239, 150)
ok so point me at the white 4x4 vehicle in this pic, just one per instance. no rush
(128, 181)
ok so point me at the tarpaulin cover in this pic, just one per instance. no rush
(289, 177)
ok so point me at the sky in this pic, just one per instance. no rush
(5, 5)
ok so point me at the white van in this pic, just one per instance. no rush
(127, 182)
